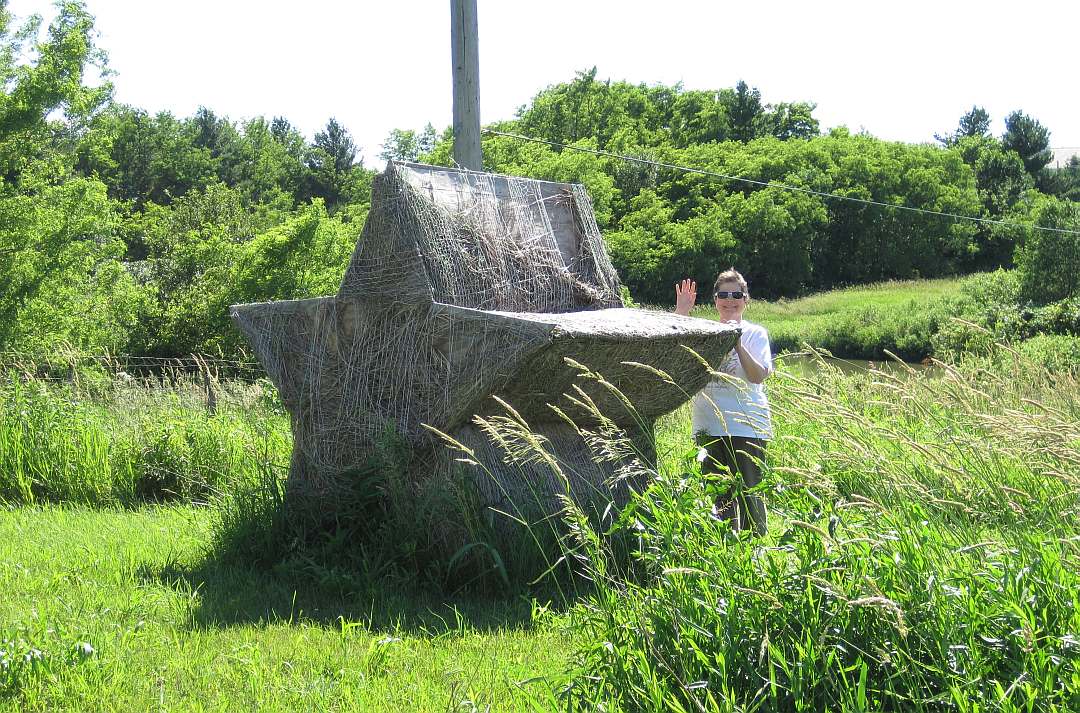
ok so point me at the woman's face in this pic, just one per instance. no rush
(730, 309)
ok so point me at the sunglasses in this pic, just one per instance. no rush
(734, 295)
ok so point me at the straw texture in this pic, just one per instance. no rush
(465, 286)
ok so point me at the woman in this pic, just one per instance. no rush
(731, 416)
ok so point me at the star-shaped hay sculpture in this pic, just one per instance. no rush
(466, 286)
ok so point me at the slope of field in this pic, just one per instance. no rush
(814, 316)
(856, 322)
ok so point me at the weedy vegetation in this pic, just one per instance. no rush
(923, 554)
(86, 432)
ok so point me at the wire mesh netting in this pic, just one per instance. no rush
(465, 286)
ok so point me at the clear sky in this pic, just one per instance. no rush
(900, 70)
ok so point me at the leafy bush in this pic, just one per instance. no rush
(959, 338)
(219, 259)
(991, 308)
(1054, 352)
(61, 282)
(693, 225)
(1049, 262)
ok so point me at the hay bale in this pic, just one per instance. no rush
(466, 285)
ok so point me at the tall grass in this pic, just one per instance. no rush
(923, 554)
(102, 438)
(121, 440)
(425, 535)
(923, 551)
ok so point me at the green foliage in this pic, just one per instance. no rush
(332, 172)
(201, 212)
(900, 570)
(1029, 139)
(272, 177)
(619, 115)
(999, 172)
(1049, 262)
(408, 145)
(145, 159)
(974, 124)
(101, 439)
(946, 319)
(1063, 182)
(430, 533)
(205, 255)
(43, 101)
(787, 243)
(1057, 353)
(994, 302)
(919, 552)
(23, 665)
(222, 142)
(61, 282)
(85, 433)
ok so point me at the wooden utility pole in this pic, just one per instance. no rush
(466, 84)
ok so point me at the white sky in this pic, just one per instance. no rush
(901, 70)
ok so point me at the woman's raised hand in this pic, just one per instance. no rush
(685, 297)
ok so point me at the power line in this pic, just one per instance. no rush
(774, 184)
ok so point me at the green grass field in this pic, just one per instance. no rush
(169, 629)
(923, 554)
(856, 322)
(791, 320)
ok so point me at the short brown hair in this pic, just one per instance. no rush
(730, 275)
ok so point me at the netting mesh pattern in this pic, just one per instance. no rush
(463, 286)
(482, 241)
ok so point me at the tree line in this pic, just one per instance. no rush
(132, 232)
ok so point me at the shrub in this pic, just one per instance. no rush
(956, 339)
(1049, 262)
(1053, 352)
(199, 272)
(1062, 317)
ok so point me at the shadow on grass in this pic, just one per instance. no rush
(263, 566)
(430, 560)
(230, 594)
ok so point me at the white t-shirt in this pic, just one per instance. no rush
(734, 406)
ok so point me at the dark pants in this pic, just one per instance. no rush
(740, 457)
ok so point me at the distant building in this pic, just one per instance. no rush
(1063, 155)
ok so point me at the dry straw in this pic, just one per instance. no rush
(466, 286)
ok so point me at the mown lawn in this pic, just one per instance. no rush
(126, 610)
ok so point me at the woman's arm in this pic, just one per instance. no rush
(756, 372)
